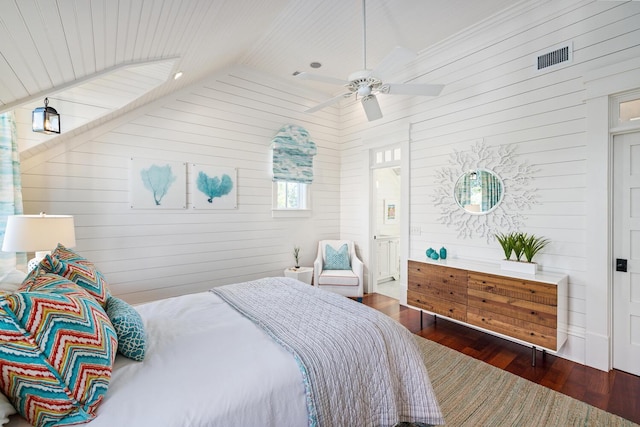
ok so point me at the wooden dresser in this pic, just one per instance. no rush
(529, 309)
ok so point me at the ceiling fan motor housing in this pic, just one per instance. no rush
(363, 83)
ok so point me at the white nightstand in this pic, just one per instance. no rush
(304, 274)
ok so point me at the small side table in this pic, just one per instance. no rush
(304, 274)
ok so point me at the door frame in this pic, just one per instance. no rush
(399, 136)
(602, 87)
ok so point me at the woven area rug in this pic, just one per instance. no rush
(474, 393)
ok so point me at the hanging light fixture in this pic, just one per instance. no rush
(45, 119)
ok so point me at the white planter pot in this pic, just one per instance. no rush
(519, 266)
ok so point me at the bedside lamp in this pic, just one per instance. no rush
(39, 234)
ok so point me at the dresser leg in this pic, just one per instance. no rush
(533, 356)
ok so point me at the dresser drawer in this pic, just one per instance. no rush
(438, 282)
(507, 305)
(521, 289)
(533, 333)
(442, 307)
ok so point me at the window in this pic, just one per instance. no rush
(290, 195)
(629, 111)
(291, 199)
(292, 167)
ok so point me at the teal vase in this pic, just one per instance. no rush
(443, 253)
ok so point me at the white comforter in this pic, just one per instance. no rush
(206, 365)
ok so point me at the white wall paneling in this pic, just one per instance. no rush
(227, 120)
(494, 92)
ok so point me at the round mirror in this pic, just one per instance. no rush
(478, 191)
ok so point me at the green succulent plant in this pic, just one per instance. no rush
(521, 244)
(531, 245)
(506, 241)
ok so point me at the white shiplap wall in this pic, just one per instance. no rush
(227, 120)
(493, 92)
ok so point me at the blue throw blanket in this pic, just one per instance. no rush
(359, 366)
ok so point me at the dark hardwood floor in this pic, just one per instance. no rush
(616, 391)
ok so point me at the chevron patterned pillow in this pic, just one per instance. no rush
(57, 348)
(70, 265)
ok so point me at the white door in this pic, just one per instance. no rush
(626, 285)
(383, 259)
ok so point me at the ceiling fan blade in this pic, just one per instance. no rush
(328, 102)
(395, 59)
(411, 89)
(319, 78)
(371, 108)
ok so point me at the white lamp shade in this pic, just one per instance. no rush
(34, 233)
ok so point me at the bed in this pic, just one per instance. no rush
(270, 352)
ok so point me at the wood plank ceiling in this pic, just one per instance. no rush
(98, 59)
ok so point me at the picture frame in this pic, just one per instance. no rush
(157, 184)
(214, 187)
(390, 214)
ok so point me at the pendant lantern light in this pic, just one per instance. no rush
(45, 119)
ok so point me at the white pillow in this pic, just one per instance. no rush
(11, 281)
(6, 409)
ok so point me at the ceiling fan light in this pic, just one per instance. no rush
(364, 91)
(45, 119)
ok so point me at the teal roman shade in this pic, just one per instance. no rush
(293, 153)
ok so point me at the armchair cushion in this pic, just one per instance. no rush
(337, 259)
(338, 278)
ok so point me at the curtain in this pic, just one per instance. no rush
(463, 190)
(293, 153)
(10, 187)
(491, 190)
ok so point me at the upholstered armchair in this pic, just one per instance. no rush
(338, 269)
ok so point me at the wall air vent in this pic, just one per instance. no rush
(559, 55)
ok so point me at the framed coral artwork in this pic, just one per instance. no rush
(157, 184)
(213, 187)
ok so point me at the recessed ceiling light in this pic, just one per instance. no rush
(295, 73)
(315, 65)
(177, 75)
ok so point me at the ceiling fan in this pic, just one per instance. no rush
(366, 84)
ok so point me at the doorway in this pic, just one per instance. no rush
(626, 238)
(387, 234)
(385, 220)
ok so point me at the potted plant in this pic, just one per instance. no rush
(531, 245)
(506, 241)
(520, 244)
(296, 255)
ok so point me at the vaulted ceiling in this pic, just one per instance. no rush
(98, 59)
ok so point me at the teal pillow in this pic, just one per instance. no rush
(337, 260)
(132, 340)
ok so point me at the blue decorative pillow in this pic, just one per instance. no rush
(132, 341)
(337, 260)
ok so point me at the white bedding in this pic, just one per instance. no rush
(206, 365)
